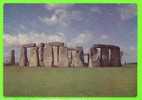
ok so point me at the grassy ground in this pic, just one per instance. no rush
(118, 81)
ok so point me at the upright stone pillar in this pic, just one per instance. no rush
(86, 59)
(90, 65)
(12, 57)
(115, 57)
(63, 57)
(41, 53)
(55, 55)
(73, 59)
(48, 56)
(94, 57)
(23, 60)
(78, 60)
(69, 57)
(104, 56)
(34, 57)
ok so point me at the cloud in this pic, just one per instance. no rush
(104, 37)
(57, 6)
(49, 20)
(81, 39)
(62, 17)
(56, 18)
(22, 38)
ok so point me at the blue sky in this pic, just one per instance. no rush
(74, 24)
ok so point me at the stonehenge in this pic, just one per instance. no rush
(56, 54)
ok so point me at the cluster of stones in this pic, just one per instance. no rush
(104, 55)
(56, 54)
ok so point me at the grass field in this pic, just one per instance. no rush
(40, 81)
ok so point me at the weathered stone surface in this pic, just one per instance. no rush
(12, 57)
(33, 58)
(73, 59)
(77, 60)
(110, 55)
(55, 56)
(94, 57)
(105, 56)
(41, 53)
(86, 59)
(29, 45)
(23, 61)
(115, 57)
(81, 53)
(48, 56)
(69, 57)
(56, 43)
(63, 57)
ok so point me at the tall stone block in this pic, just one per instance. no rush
(63, 57)
(41, 54)
(94, 57)
(90, 65)
(12, 57)
(55, 55)
(104, 56)
(69, 57)
(48, 56)
(86, 59)
(115, 57)
(34, 57)
(23, 59)
(77, 58)
(73, 59)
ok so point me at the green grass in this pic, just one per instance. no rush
(116, 81)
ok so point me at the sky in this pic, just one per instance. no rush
(74, 24)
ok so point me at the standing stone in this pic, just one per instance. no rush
(94, 57)
(12, 57)
(104, 56)
(63, 57)
(55, 55)
(115, 56)
(78, 60)
(23, 61)
(73, 59)
(41, 53)
(34, 57)
(86, 59)
(69, 57)
(90, 61)
(48, 56)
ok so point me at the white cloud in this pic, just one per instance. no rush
(62, 17)
(22, 38)
(57, 6)
(56, 18)
(49, 20)
(104, 36)
(80, 40)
